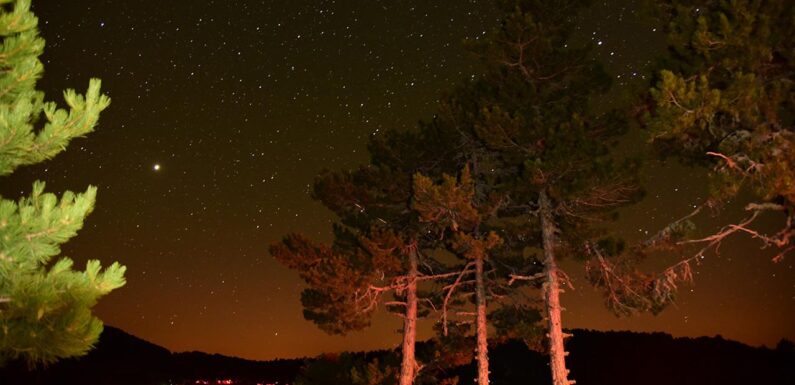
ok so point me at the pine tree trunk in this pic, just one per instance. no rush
(481, 331)
(557, 353)
(409, 364)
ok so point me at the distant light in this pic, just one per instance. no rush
(156, 167)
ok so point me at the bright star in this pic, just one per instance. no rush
(156, 167)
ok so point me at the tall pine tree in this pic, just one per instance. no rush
(45, 305)
(380, 247)
(541, 172)
(530, 129)
(462, 218)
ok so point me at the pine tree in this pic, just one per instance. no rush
(541, 171)
(724, 100)
(45, 305)
(350, 279)
(529, 127)
(379, 248)
(453, 207)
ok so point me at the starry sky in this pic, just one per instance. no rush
(222, 113)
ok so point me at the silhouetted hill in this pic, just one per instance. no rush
(628, 358)
(597, 358)
(123, 359)
(658, 358)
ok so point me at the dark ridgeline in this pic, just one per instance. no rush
(123, 359)
(597, 358)
(658, 358)
(628, 358)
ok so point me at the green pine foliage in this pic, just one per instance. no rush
(724, 98)
(45, 305)
(448, 204)
(468, 225)
(529, 125)
(460, 220)
(541, 153)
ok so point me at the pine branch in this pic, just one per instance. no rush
(516, 277)
(467, 269)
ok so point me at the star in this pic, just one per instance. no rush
(291, 75)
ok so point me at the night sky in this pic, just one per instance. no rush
(222, 113)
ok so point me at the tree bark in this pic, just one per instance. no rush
(482, 330)
(557, 354)
(408, 366)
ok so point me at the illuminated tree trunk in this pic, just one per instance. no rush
(409, 365)
(481, 331)
(557, 354)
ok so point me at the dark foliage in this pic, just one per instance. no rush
(597, 358)
(627, 358)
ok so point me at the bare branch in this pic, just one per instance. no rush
(450, 291)
(729, 162)
(437, 276)
(622, 292)
(565, 278)
(599, 198)
(430, 303)
(515, 277)
(667, 232)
